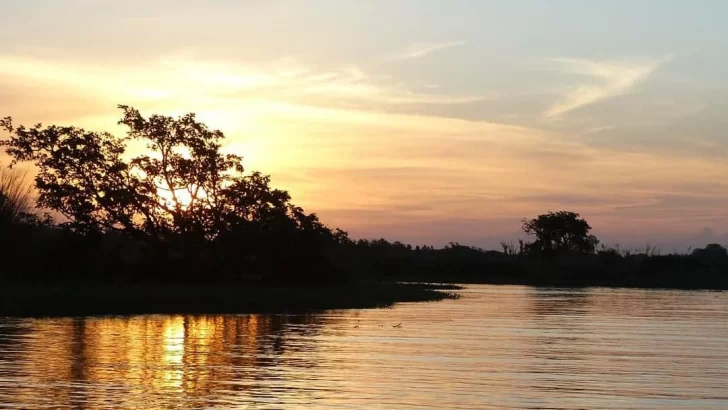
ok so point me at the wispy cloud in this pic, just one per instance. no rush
(609, 79)
(175, 77)
(598, 129)
(418, 50)
(290, 118)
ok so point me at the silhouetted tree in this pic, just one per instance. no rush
(181, 195)
(183, 184)
(559, 232)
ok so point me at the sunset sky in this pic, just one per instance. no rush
(421, 121)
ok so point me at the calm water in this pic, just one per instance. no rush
(497, 347)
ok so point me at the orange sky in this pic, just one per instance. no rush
(425, 137)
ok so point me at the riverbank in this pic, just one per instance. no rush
(56, 300)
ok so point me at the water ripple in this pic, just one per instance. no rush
(499, 347)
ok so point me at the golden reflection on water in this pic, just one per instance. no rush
(138, 360)
(498, 347)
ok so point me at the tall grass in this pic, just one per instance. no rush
(16, 195)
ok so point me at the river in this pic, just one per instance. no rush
(498, 347)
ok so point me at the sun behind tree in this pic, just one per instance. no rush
(183, 192)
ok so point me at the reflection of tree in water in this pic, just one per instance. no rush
(147, 361)
(36, 348)
(615, 302)
(590, 344)
(558, 302)
(558, 314)
(576, 345)
(555, 343)
(11, 331)
(242, 353)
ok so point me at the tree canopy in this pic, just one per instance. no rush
(182, 185)
(182, 189)
(559, 232)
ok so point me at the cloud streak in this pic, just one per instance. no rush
(180, 77)
(419, 50)
(609, 79)
(315, 129)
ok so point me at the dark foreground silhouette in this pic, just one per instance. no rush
(183, 228)
(38, 300)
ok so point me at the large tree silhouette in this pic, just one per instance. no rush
(182, 192)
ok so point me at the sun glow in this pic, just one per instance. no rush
(173, 199)
(369, 151)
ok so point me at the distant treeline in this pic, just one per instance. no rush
(705, 268)
(40, 253)
(186, 213)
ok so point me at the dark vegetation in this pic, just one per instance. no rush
(58, 299)
(181, 212)
(562, 253)
(187, 218)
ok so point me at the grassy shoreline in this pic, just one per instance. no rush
(62, 300)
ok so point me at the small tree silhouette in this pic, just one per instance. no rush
(559, 232)
(711, 251)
